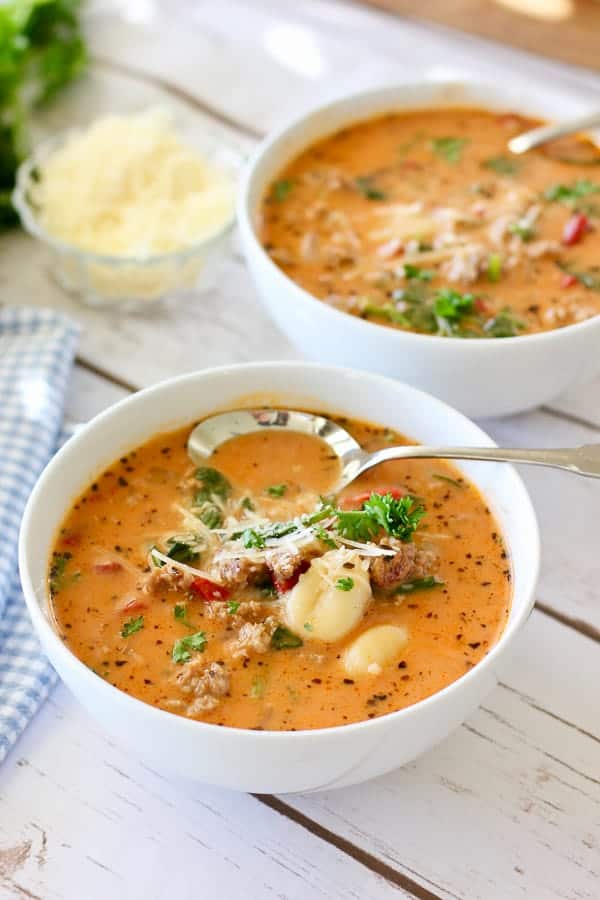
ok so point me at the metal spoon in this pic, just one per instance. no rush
(546, 133)
(214, 431)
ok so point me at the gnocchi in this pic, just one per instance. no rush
(330, 599)
(374, 649)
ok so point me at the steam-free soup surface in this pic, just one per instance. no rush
(241, 594)
(424, 221)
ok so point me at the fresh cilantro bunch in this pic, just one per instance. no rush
(41, 50)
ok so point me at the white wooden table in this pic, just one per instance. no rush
(509, 805)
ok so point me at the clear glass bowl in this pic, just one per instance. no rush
(128, 281)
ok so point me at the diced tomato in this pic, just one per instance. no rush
(107, 567)
(283, 585)
(356, 500)
(209, 590)
(574, 229)
(480, 305)
(133, 604)
(567, 280)
(71, 540)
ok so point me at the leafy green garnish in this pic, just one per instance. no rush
(253, 538)
(366, 187)
(232, 607)
(277, 490)
(248, 504)
(257, 688)
(569, 195)
(256, 537)
(213, 483)
(324, 537)
(284, 639)
(180, 550)
(57, 571)
(523, 230)
(504, 324)
(415, 273)
(282, 189)
(449, 148)
(182, 649)
(419, 584)
(308, 626)
(502, 165)
(41, 50)
(180, 614)
(589, 278)
(447, 478)
(387, 311)
(399, 517)
(451, 305)
(494, 270)
(131, 626)
(345, 584)
(210, 514)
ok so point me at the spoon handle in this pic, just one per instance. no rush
(581, 460)
(545, 133)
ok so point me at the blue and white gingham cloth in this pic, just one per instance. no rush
(36, 355)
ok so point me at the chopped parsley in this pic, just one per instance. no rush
(449, 480)
(180, 614)
(232, 607)
(284, 639)
(504, 324)
(502, 165)
(324, 537)
(276, 490)
(589, 278)
(387, 311)
(181, 551)
(252, 538)
(282, 189)
(398, 517)
(257, 688)
(494, 269)
(182, 649)
(523, 230)
(419, 584)
(212, 484)
(344, 584)
(449, 148)
(450, 305)
(248, 504)
(570, 195)
(366, 187)
(415, 273)
(131, 626)
(57, 571)
(308, 626)
(210, 514)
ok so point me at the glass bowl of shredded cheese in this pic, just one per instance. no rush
(130, 212)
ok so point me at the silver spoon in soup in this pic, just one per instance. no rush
(216, 430)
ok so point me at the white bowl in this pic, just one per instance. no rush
(485, 377)
(271, 761)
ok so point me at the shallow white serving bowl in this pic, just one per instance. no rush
(487, 377)
(272, 761)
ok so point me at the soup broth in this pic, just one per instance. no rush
(243, 594)
(424, 221)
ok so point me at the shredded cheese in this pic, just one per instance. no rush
(129, 187)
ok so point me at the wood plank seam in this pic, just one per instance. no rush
(393, 876)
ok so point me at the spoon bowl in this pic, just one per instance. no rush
(214, 431)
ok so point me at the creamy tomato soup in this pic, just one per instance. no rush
(424, 221)
(244, 593)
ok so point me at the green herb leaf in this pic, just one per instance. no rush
(451, 305)
(180, 614)
(282, 189)
(494, 270)
(502, 165)
(232, 607)
(248, 504)
(284, 639)
(365, 185)
(210, 514)
(213, 483)
(180, 551)
(257, 688)
(183, 648)
(277, 490)
(308, 626)
(414, 273)
(345, 584)
(523, 230)
(589, 278)
(569, 195)
(419, 584)
(399, 517)
(387, 311)
(252, 538)
(57, 571)
(449, 148)
(356, 525)
(131, 626)
(324, 537)
(504, 324)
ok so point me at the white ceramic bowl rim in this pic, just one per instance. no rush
(31, 223)
(36, 596)
(245, 219)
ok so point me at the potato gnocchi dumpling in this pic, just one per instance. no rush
(330, 598)
(375, 649)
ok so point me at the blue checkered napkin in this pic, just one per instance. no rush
(36, 355)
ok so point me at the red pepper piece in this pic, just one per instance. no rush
(283, 585)
(567, 280)
(356, 500)
(133, 604)
(481, 306)
(574, 229)
(107, 567)
(209, 590)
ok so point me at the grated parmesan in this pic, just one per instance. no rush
(129, 187)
